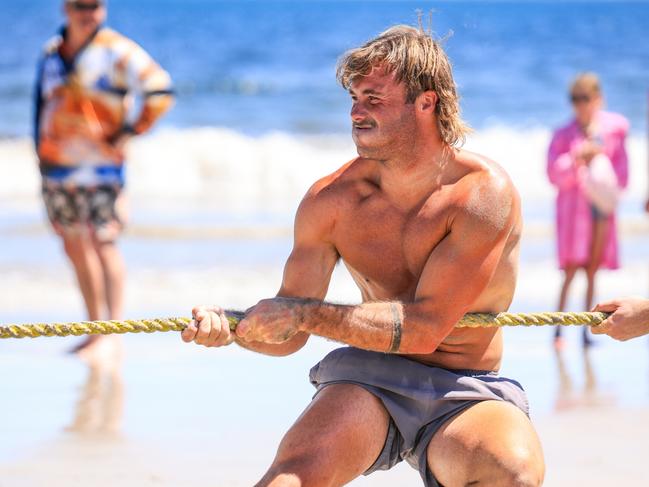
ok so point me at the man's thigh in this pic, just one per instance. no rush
(490, 443)
(336, 439)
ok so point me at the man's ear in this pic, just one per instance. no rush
(427, 101)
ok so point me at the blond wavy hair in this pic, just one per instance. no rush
(417, 60)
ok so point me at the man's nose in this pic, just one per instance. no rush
(358, 112)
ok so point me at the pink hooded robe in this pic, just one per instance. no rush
(574, 216)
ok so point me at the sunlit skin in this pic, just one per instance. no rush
(431, 230)
(629, 318)
(372, 101)
(585, 106)
(81, 24)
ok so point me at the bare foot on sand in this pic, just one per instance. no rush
(103, 350)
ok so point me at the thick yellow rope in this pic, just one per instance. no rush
(472, 320)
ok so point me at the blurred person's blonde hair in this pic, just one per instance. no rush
(586, 83)
(417, 60)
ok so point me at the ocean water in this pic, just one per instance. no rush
(259, 114)
(260, 66)
(214, 187)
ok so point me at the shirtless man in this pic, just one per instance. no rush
(429, 232)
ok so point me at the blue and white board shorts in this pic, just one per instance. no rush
(83, 196)
(419, 398)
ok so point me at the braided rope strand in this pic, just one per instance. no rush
(479, 320)
(471, 320)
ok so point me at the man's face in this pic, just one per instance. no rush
(382, 121)
(85, 16)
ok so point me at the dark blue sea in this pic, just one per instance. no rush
(260, 66)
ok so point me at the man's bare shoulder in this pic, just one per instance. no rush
(349, 182)
(486, 192)
(334, 194)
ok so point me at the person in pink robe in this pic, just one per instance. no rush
(587, 162)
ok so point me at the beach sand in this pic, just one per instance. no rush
(577, 450)
(601, 447)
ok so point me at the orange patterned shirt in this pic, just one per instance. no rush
(82, 106)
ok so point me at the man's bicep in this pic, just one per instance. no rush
(309, 267)
(461, 266)
(308, 271)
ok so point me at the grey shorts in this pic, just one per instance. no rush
(419, 398)
(68, 207)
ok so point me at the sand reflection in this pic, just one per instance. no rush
(100, 407)
(587, 395)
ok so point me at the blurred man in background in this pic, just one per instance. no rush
(87, 80)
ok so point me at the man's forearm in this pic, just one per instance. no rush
(275, 349)
(377, 326)
(155, 105)
(389, 327)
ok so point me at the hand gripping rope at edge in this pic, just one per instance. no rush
(471, 320)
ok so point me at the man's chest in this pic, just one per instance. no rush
(387, 246)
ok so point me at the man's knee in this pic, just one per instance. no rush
(519, 466)
(107, 251)
(106, 235)
(506, 453)
(522, 466)
(479, 465)
(515, 461)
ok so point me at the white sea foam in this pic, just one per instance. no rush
(216, 168)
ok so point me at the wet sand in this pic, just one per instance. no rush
(601, 447)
